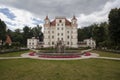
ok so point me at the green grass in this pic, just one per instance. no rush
(106, 54)
(87, 69)
(13, 54)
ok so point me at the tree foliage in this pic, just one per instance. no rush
(99, 32)
(2, 30)
(114, 27)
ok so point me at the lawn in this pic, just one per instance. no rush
(13, 54)
(87, 69)
(106, 54)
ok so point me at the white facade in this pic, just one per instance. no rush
(60, 29)
(87, 43)
(33, 43)
(90, 43)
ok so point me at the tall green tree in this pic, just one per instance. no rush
(17, 36)
(114, 27)
(37, 31)
(99, 34)
(27, 33)
(2, 30)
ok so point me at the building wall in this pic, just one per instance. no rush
(90, 43)
(68, 34)
(32, 43)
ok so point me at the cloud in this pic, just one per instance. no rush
(57, 7)
(21, 17)
(98, 16)
(31, 12)
(8, 13)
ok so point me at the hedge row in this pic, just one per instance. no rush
(11, 50)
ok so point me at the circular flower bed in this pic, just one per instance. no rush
(59, 56)
(32, 53)
(87, 54)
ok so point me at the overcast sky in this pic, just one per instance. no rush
(86, 11)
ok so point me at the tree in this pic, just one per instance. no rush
(114, 27)
(36, 31)
(2, 30)
(26, 34)
(84, 33)
(99, 34)
(17, 36)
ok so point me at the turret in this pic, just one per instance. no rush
(74, 21)
(47, 22)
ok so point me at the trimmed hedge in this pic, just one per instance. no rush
(11, 50)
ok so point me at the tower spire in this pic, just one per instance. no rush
(74, 17)
(47, 17)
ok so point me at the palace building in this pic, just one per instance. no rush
(60, 30)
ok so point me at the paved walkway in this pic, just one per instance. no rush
(11, 57)
(112, 58)
(93, 55)
(82, 57)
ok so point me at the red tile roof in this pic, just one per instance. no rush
(67, 22)
(53, 23)
(8, 39)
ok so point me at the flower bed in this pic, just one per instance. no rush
(32, 53)
(87, 54)
(59, 56)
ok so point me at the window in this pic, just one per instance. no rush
(61, 24)
(61, 34)
(52, 43)
(60, 21)
(67, 31)
(52, 37)
(58, 39)
(71, 43)
(62, 28)
(48, 31)
(58, 34)
(68, 43)
(57, 24)
(52, 31)
(48, 36)
(57, 28)
(62, 39)
(71, 36)
(68, 37)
